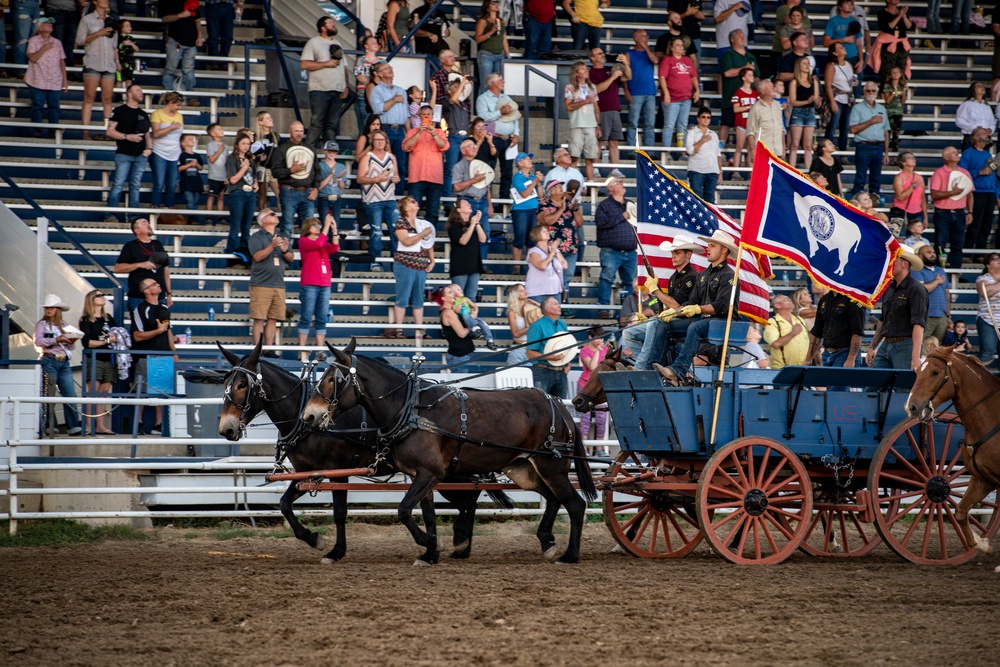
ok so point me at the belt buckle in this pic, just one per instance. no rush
(332, 197)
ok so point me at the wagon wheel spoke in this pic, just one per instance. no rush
(915, 446)
(946, 463)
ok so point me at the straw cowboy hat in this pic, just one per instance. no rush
(682, 242)
(479, 167)
(916, 264)
(53, 301)
(558, 343)
(723, 239)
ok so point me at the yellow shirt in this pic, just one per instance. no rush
(794, 352)
(589, 13)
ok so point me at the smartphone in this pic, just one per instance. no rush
(425, 121)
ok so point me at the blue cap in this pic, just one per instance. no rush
(521, 156)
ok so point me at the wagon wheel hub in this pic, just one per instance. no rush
(938, 489)
(755, 502)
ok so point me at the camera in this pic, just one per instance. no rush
(111, 22)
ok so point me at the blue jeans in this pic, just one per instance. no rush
(703, 185)
(960, 12)
(488, 64)
(470, 322)
(934, 16)
(61, 373)
(537, 38)
(504, 166)
(396, 148)
(895, 355)
(25, 13)
(315, 302)
(325, 122)
(868, 166)
(550, 380)
(184, 57)
(410, 285)
(585, 33)
(361, 111)
(451, 156)
(570, 270)
(523, 220)
(428, 194)
(469, 284)
(219, 18)
(241, 209)
(838, 359)
(332, 207)
(127, 168)
(840, 121)
(643, 107)
(987, 340)
(379, 212)
(164, 178)
(517, 356)
(292, 202)
(675, 118)
(949, 230)
(64, 29)
(659, 336)
(634, 337)
(191, 200)
(457, 364)
(44, 103)
(697, 331)
(622, 262)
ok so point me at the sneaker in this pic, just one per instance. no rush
(568, 315)
(76, 430)
(340, 287)
(617, 174)
(157, 430)
(492, 345)
(375, 267)
(193, 102)
(737, 176)
(604, 315)
(353, 234)
(477, 333)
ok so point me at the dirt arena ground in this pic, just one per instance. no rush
(178, 600)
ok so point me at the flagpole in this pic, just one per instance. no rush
(725, 343)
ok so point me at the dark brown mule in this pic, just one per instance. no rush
(945, 376)
(255, 386)
(592, 393)
(435, 430)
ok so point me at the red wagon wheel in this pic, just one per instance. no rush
(837, 527)
(649, 524)
(754, 501)
(919, 479)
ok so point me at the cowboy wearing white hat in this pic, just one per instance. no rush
(899, 333)
(708, 300)
(54, 337)
(550, 367)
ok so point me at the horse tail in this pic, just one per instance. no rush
(501, 499)
(583, 473)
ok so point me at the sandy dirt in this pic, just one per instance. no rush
(178, 600)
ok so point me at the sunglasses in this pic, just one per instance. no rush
(99, 294)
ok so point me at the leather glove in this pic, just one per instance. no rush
(691, 311)
(667, 315)
(640, 317)
(652, 284)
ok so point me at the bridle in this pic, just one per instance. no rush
(255, 390)
(928, 412)
(592, 398)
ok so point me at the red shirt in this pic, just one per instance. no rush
(315, 256)
(542, 11)
(610, 99)
(743, 99)
(679, 74)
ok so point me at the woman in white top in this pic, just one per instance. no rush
(988, 288)
(839, 82)
(413, 260)
(100, 62)
(168, 125)
(974, 112)
(704, 157)
(545, 266)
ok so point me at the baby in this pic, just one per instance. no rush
(468, 312)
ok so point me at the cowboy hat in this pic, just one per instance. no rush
(160, 258)
(723, 239)
(558, 343)
(682, 242)
(633, 212)
(53, 301)
(918, 246)
(916, 264)
(466, 87)
(958, 179)
(515, 114)
(479, 167)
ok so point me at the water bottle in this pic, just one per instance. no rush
(187, 336)
(211, 313)
(785, 279)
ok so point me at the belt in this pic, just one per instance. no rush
(460, 133)
(247, 188)
(302, 188)
(870, 143)
(57, 357)
(834, 349)
(896, 339)
(396, 126)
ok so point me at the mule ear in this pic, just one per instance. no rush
(349, 350)
(621, 367)
(231, 357)
(617, 354)
(254, 356)
(343, 356)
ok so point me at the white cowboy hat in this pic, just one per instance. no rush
(558, 343)
(53, 301)
(466, 87)
(515, 113)
(630, 208)
(682, 242)
(723, 239)
(916, 264)
(304, 154)
(479, 167)
(958, 179)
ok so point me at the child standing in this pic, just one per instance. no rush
(591, 356)
(189, 167)
(416, 96)
(217, 153)
(894, 92)
(331, 188)
(742, 100)
(127, 49)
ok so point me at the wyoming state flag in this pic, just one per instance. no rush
(841, 247)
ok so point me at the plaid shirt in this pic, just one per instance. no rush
(613, 230)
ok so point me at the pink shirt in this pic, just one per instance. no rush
(914, 202)
(316, 260)
(679, 75)
(45, 73)
(587, 352)
(939, 181)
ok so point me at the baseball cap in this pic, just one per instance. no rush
(331, 146)
(521, 156)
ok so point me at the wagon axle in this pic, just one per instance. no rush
(755, 502)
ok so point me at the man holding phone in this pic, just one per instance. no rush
(271, 256)
(425, 144)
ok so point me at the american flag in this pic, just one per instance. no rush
(666, 207)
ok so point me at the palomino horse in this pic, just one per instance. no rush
(254, 386)
(950, 376)
(432, 431)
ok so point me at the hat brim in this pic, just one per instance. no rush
(667, 246)
(916, 264)
(557, 343)
(725, 244)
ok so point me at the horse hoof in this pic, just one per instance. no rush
(327, 561)
(321, 544)
(421, 563)
(550, 554)
(618, 549)
(459, 555)
(564, 560)
(458, 548)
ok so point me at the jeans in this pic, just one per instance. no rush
(379, 212)
(61, 374)
(127, 168)
(585, 33)
(634, 337)
(895, 355)
(44, 103)
(331, 207)
(571, 259)
(410, 286)
(839, 358)
(457, 364)
(537, 38)
(325, 122)
(642, 107)
(64, 29)
(469, 283)
(622, 262)
(987, 340)
(697, 331)
(488, 64)
(550, 380)
(470, 323)
(25, 13)
(315, 302)
(483, 207)
(983, 207)
(396, 148)
(361, 110)
(429, 194)
(219, 18)
(292, 202)
(523, 220)
(949, 230)
(191, 200)
(183, 56)
(868, 166)
(241, 209)
(840, 121)
(675, 118)
(657, 341)
(451, 156)
(164, 179)
(517, 356)
(505, 166)
(960, 12)
(703, 185)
